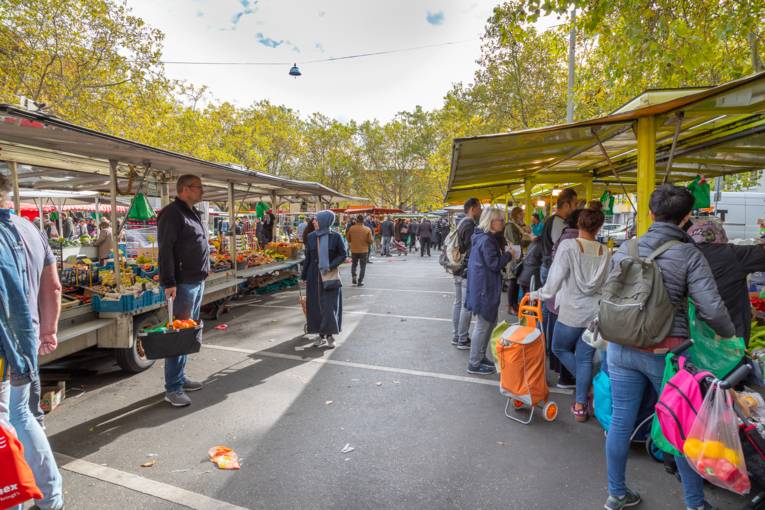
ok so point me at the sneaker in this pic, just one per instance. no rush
(481, 370)
(361, 284)
(455, 341)
(354, 281)
(629, 499)
(317, 341)
(706, 506)
(178, 399)
(464, 346)
(189, 385)
(488, 363)
(566, 383)
(330, 342)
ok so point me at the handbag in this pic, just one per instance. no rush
(16, 478)
(331, 279)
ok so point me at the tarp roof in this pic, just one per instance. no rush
(51, 149)
(722, 131)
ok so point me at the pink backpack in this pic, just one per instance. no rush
(679, 404)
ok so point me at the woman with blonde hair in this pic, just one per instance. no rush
(484, 285)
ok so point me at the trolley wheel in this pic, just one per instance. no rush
(517, 405)
(132, 359)
(653, 451)
(551, 411)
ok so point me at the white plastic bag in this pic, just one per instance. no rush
(713, 446)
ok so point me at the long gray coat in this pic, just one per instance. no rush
(686, 273)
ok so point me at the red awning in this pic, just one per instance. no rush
(102, 208)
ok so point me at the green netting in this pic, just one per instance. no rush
(700, 190)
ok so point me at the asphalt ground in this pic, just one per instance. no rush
(424, 433)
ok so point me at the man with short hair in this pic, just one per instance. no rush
(359, 239)
(387, 232)
(425, 233)
(184, 264)
(461, 316)
(32, 292)
(685, 273)
(553, 228)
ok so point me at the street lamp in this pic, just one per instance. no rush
(295, 71)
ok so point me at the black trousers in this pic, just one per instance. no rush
(356, 259)
(424, 245)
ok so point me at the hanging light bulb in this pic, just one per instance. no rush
(295, 71)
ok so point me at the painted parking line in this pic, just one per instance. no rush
(379, 368)
(143, 485)
(413, 317)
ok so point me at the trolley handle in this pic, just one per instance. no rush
(682, 347)
(735, 378)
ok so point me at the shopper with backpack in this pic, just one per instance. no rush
(459, 243)
(577, 274)
(643, 314)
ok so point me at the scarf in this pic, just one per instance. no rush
(325, 219)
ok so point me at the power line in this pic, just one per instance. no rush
(316, 61)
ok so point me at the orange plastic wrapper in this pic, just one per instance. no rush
(223, 457)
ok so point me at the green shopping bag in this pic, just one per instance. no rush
(718, 355)
(496, 334)
(657, 436)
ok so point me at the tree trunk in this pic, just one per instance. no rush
(754, 47)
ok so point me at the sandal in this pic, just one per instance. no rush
(580, 414)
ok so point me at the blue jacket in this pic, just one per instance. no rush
(484, 277)
(18, 338)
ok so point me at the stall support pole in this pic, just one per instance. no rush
(15, 183)
(646, 170)
(40, 209)
(113, 215)
(232, 224)
(98, 214)
(164, 192)
(527, 184)
(588, 189)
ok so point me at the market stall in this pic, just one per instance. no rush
(108, 303)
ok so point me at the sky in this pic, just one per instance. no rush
(298, 31)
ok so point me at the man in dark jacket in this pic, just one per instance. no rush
(184, 263)
(414, 227)
(426, 234)
(461, 316)
(387, 233)
(685, 273)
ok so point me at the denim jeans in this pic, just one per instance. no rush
(14, 408)
(575, 355)
(385, 246)
(187, 305)
(35, 394)
(356, 260)
(630, 371)
(461, 316)
(480, 341)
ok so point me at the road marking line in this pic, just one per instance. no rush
(359, 313)
(144, 485)
(404, 290)
(380, 368)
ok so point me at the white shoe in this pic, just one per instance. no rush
(330, 342)
(317, 341)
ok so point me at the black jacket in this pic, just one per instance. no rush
(730, 266)
(386, 229)
(184, 253)
(531, 264)
(464, 241)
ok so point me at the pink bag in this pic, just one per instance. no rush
(679, 404)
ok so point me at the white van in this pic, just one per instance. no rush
(740, 212)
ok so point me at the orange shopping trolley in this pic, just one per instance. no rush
(521, 353)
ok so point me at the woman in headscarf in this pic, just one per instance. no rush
(730, 265)
(324, 252)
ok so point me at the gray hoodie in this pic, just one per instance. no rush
(576, 277)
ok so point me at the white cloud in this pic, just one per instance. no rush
(365, 88)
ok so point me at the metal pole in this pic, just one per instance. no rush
(571, 67)
(40, 209)
(113, 215)
(588, 189)
(646, 170)
(15, 183)
(232, 223)
(527, 185)
(98, 214)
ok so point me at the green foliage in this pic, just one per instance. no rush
(92, 62)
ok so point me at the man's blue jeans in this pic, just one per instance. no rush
(575, 355)
(187, 305)
(14, 407)
(385, 246)
(630, 371)
(460, 315)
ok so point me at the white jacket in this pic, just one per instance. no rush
(576, 277)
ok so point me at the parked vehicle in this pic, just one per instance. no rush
(740, 212)
(614, 231)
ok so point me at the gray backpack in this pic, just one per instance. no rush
(635, 309)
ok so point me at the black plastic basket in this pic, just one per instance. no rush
(176, 342)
